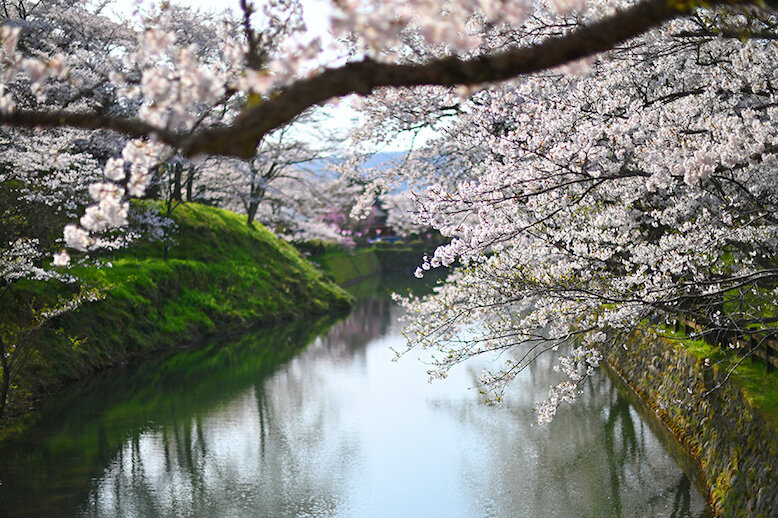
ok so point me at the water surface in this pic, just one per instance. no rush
(314, 419)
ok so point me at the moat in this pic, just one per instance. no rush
(338, 429)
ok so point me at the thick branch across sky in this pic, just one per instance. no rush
(241, 138)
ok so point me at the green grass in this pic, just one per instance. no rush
(220, 275)
(759, 387)
(350, 267)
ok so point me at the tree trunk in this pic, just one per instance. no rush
(177, 172)
(252, 212)
(5, 384)
(189, 185)
(165, 243)
(4, 394)
(256, 197)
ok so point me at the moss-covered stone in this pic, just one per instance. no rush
(734, 442)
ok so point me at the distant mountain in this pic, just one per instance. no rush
(320, 166)
(384, 159)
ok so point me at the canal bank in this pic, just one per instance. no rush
(217, 275)
(347, 268)
(734, 443)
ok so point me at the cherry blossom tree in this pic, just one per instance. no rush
(291, 194)
(634, 182)
(255, 76)
(48, 176)
(298, 85)
(288, 163)
(582, 206)
(44, 182)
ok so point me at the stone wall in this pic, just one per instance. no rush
(735, 446)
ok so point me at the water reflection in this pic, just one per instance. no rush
(338, 430)
(597, 458)
(124, 418)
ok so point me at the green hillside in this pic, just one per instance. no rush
(220, 276)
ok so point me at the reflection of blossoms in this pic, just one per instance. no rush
(369, 318)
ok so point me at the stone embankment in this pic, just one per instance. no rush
(735, 446)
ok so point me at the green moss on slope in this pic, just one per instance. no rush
(759, 386)
(220, 275)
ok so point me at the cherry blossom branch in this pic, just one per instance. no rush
(362, 77)
(88, 120)
(731, 34)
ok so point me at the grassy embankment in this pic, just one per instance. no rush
(220, 275)
(759, 386)
(382, 259)
(758, 383)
